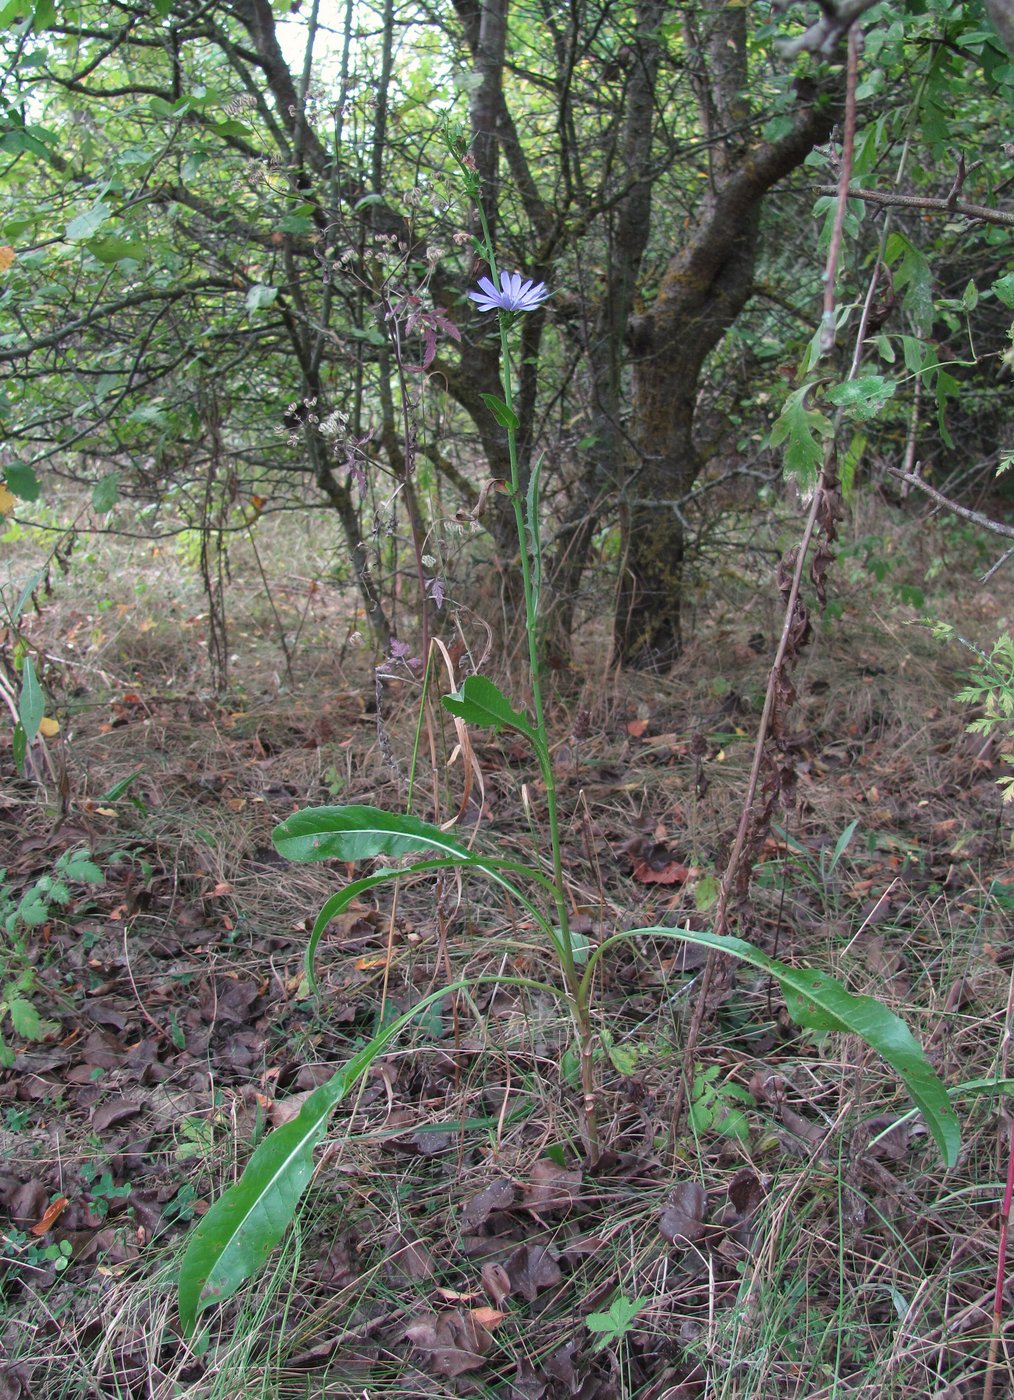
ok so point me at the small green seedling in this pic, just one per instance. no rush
(613, 1326)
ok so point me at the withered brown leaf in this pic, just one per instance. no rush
(551, 1187)
(455, 1341)
(532, 1267)
(498, 1195)
(682, 1219)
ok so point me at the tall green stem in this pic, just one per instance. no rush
(523, 526)
(577, 987)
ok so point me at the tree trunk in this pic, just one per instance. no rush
(604, 332)
(704, 288)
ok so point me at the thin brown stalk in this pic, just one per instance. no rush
(826, 483)
(992, 1365)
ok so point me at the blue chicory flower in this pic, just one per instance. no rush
(514, 294)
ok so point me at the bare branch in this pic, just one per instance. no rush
(104, 312)
(1004, 218)
(985, 522)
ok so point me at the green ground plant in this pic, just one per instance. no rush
(242, 1228)
(991, 686)
(48, 895)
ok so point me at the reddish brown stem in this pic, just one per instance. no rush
(1001, 1271)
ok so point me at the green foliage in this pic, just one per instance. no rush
(991, 686)
(23, 1258)
(22, 481)
(719, 1103)
(804, 430)
(359, 833)
(233, 1240)
(819, 1002)
(863, 397)
(614, 1324)
(102, 1190)
(504, 415)
(35, 907)
(482, 703)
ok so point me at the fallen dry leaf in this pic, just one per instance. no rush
(50, 1216)
(531, 1268)
(454, 1341)
(488, 1317)
(115, 1111)
(654, 864)
(551, 1187)
(454, 1295)
(498, 1195)
(408, 1256)
(496, 1281)
(882, 1138)
(745, 1193)
(284, 1110)
(14, 1379)
(682, 1219)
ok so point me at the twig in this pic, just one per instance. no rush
(269, 594)
(975, 516)
(1002, 217)
(821, 508)
(823, 36)
(995, 568)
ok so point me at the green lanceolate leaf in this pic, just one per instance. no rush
(106, 493)
(502, 412)
(32, 706)
(1004, 289)
(112, 249)
(359, 833)
(241, 1229)
(820, 1002)
(481, 703)
(260, 296)
(86, 225)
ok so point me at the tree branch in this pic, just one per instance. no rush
(824, 35)
(103, 313)
(1002, 217)
(985, 522)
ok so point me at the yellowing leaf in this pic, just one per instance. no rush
(6, 257)
(48, 728)
(7, 501)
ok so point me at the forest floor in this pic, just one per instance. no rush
(796, 1237)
